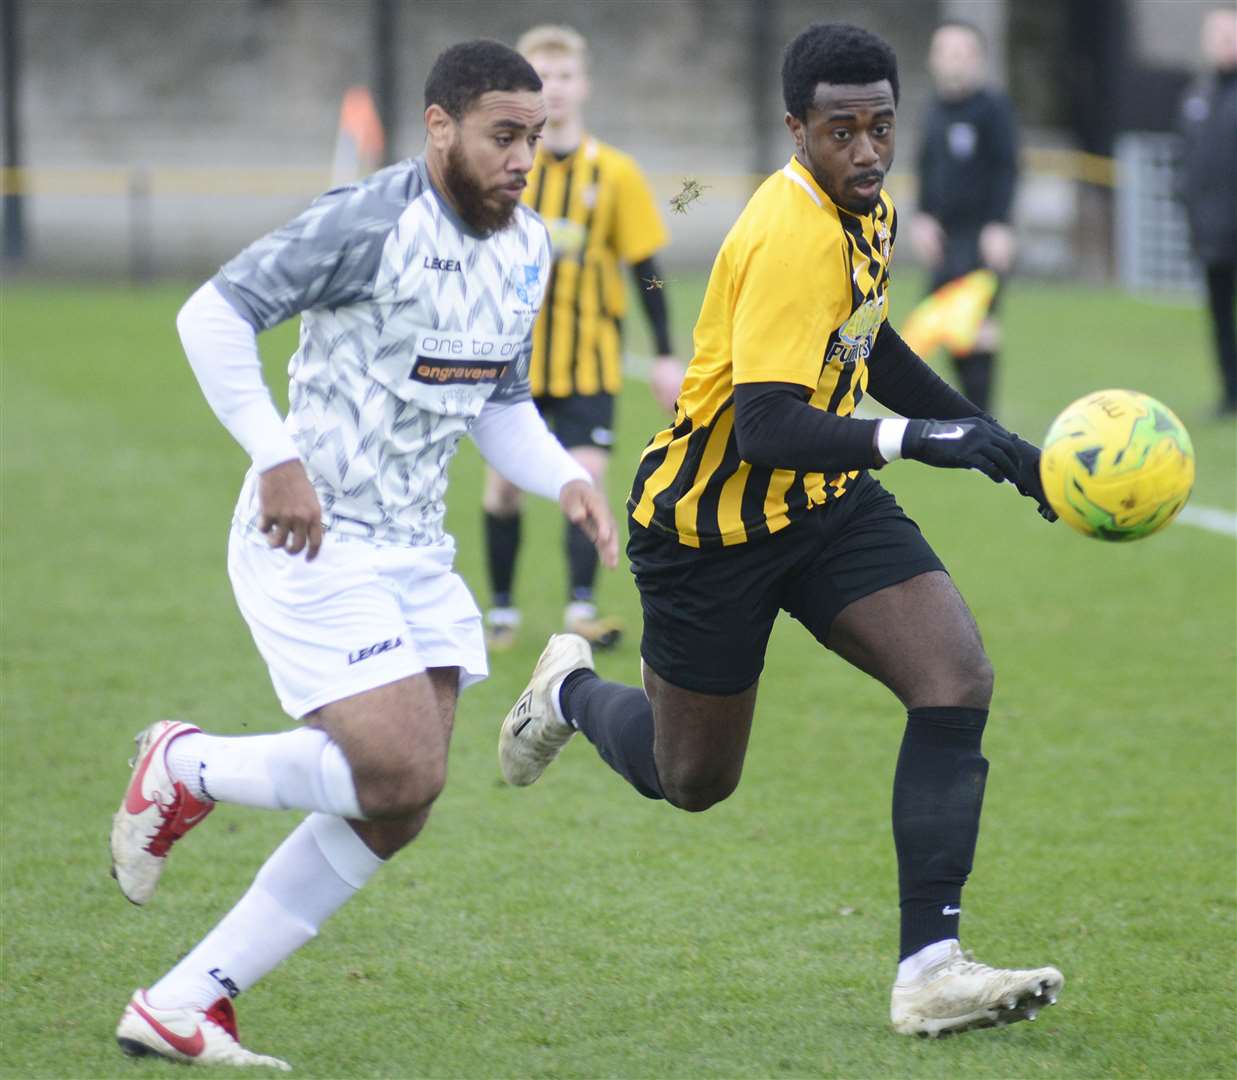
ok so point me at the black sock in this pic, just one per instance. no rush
(975, 373)
(502, 543)
(618, 720)
(581, 563)
(938, 792)
(1221, 287)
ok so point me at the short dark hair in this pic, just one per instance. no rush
(835, 53)
(464, 72)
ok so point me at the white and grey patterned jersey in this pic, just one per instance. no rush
(410, 322)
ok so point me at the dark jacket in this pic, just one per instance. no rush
(1207, 181)
(968, 160)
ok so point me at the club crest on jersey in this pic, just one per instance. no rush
(528, 274)
(856, 334)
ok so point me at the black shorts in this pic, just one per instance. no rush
(579, 420)
(708, 612)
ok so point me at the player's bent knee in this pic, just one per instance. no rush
(697, 793)
(965, 681)
(976, 682)
(398, 791)
(968, 683)
(500, 497)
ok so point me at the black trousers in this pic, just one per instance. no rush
(1221, 299)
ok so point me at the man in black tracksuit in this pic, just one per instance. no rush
(968, 168)
(1208, 185)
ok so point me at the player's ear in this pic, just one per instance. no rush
(796, 131)
(440, 127)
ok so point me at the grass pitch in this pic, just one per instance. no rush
(574, 929)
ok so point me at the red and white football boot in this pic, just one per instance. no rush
(190, 1035)
(156, 812)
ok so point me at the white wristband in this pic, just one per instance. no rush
(889, 435)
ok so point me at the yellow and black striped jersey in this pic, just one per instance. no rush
(797, 294)
(600, 213)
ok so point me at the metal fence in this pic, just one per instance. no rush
(1152, 238)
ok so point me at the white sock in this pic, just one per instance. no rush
(917, 963)
(503, 616)
(557, 703)
(579, 609)
(310, 876)
(294, 770)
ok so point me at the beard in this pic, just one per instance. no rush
(471, 198)
(844, 197)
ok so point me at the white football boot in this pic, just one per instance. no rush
(532, 734)
(958, 994)
(190, 1035)
(155, 812)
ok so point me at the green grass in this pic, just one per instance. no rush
(574, 929)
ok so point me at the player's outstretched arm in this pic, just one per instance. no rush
(514, 440)
(775, 426)
(973, 442)
(901, 381)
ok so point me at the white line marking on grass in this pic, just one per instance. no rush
(1211, 518)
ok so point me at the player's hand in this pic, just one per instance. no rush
(928, 239)
(291, 514)
(665, 379)
(997, 246)
(1029, 482)
(971, 443)
(585, 506)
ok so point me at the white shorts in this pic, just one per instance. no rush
(359, 616)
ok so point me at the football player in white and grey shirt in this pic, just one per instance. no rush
(417, 291)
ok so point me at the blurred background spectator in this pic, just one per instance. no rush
(1208, 185)
(968, 168)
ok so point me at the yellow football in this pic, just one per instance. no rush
(1117, 465)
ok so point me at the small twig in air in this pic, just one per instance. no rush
(692, 190)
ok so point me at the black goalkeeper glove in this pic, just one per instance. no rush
(971, 443)
(1029, 482)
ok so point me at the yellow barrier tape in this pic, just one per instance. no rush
(306, 181)
(222, 181)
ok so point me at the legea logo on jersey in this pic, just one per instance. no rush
(433, 262)
(856, 334)
(448, 356)
(528, 274)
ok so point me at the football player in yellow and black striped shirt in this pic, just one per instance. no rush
(758, 499)
(601, 216)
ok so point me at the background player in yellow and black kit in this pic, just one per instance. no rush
(601, 215)
(758, 499)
